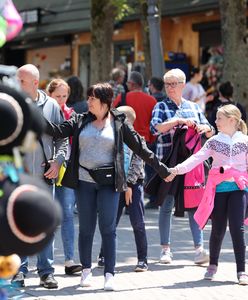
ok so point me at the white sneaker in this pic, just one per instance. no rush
(210, 273)
(201, 257)
(86, 278)
(109, 282)
(165, 256)
(242, 278)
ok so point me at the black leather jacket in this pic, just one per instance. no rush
(124, 133)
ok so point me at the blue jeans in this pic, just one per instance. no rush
(165, 217)
(136, 215)
(44, 261)
(93, 200)
(44, 258)
(66, 198)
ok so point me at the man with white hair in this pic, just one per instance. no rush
(55, 151)
(168, 114)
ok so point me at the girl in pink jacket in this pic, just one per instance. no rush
(225, 196)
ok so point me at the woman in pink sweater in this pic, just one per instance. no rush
(225, 196)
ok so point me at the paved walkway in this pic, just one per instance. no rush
(181, 280)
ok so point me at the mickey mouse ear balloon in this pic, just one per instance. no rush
(12, 18)
(3, 30)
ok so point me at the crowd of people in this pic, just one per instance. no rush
(139, 140)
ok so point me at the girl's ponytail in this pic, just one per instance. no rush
(242, 126)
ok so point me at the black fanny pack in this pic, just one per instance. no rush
(102, 175)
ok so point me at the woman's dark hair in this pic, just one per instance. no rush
(77, 90)
(226, 89)
(102, 91)
(194, 71)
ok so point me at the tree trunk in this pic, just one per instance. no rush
(234, 39)
(103, 14)
(146, 39)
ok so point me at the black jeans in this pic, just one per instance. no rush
(229, 206)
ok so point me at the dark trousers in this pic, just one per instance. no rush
(136, 215)
(229, 206)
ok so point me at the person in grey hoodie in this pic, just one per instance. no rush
(55, 152)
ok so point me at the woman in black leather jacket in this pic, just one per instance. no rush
(97, 140)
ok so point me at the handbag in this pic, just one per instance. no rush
(102, 175)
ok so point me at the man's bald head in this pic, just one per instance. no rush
(29, 76)
(30, 69)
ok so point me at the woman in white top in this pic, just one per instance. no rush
(194, 91)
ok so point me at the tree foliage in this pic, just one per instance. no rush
(123, 8)
(104, 14)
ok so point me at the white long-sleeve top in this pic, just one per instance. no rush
(226, 151)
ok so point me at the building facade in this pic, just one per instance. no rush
(56, 36)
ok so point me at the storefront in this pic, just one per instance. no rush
(58, 39)
(51, 61)
(47, 37)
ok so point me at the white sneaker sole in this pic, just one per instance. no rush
(87, 282)
(109, 288)
(140, 270)
(202, 262)
(209, 278)
(243, 282)
(165, 261)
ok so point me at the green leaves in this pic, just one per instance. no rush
(123, 8)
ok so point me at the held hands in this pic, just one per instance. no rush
(53, 171)
(128, 196)
(173, 174)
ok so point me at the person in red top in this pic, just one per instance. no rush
(142, 104)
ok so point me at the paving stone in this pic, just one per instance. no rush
(181, 280)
